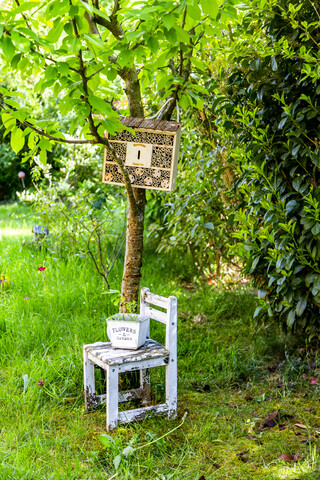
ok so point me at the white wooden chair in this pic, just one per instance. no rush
(151, 354)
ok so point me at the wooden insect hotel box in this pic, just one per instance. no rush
(150, 156)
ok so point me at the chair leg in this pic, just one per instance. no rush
(145, 385)
(112, 398)
(89, 383)
(171, 388)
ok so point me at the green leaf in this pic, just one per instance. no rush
(32, 140)
(209, 225)
(111, 74)
(73, 44)
(291, 318)
(257, 311)
(55, 32)
(106, 440)
(282, 122)
(262, 294)
(301, 306)
(94, 10)
(163, 80)
(12, 103)
(274, 64)
(296, 149)
(17, 140)
(316, 229)
(43, 157)
(183, 36)
(21, 43)
(169, 20)
(7, 48)
(23, 8)
(117, 461)
(210, 7)
(94, 40)
(8, 120)
(63, 68)
(291, 206)
(198, 64)
(254, 264)
(101, 106)
(194, 11)
(125, 58)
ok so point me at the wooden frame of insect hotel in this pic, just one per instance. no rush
(150, 156)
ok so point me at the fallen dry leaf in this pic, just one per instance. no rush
(271, 421)
(314, 380)
(244, 459)
(286, 457)
(242, 453)
(297, 457)
(300, 425)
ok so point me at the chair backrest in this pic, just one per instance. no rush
(168, 318)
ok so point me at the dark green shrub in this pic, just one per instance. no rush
(273, 106)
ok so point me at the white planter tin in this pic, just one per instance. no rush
(128, 331)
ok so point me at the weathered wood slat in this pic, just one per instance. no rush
(114, 356)
(140, 413)
(150, 124)
(135, 122)
(126, 396)
(156, 300)
(126, 121)
(170, 126)
(150, 363)
(156, 314)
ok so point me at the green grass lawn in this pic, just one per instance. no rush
(233, 373)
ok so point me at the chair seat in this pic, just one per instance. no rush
(104, 354)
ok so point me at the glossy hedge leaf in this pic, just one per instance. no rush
(301, 306)
(291, 206)
(291, 318)
(316, 229)
(209, 225)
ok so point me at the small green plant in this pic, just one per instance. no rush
(127, 317)
(121, 455)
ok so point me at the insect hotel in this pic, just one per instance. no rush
(150, 155)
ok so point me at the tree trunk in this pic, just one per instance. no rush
(135, 219)
(133, 257)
